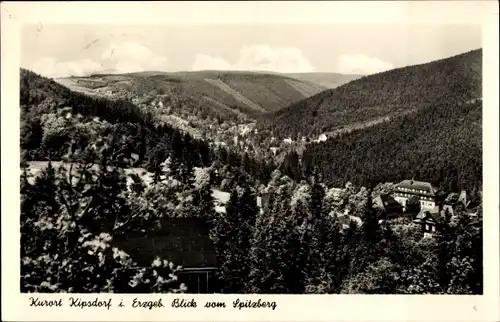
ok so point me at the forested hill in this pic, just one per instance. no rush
(39, 95)
(441, 144)
(447, 81)
(55, 119)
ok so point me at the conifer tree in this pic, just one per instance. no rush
(371, 221)
(234, 232)
(203, 203)
(259, 256)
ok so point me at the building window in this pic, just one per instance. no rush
(433, 228)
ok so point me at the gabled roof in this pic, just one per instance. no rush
(183, 241)
(418, 185)
(424, 213)
(389, 201)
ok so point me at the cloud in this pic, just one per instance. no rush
(132, 57)
(361, 64)
(119, 58)
(207, 62)
(259, 57)
(50, 67)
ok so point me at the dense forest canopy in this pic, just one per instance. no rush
(450, 81)
(434, 132)
(440, 144)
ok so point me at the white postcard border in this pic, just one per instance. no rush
(15, 306)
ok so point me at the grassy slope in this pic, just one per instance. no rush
(328, 80)
(393, 92)
(268, 92)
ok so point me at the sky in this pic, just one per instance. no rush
(61, 50)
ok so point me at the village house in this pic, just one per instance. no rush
(183, 241)
(345, 219)
(424, 191)
(428, 221)
(389, 205)
(454, 199)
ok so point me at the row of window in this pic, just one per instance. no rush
(413, 190)
(427, 204)
(422, 203)
(408, 195)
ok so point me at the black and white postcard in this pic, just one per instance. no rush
(250, 161)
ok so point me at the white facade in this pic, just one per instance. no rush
(427, 203)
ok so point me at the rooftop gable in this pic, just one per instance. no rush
(389, 201)
(426, 187)
(426, 214)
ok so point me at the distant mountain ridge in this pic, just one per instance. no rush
(394, 92)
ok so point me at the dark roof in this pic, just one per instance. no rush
(451, 199)
(183, 241)
(418, 185)
(436, 216)
(389, 201)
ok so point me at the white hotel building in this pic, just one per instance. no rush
(423, 190)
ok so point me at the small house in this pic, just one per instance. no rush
(345, 219)
(388, 205)
(428, 221)
(451, 199)
(183, 241)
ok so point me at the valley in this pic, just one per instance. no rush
(245, 175)
(272, 117)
